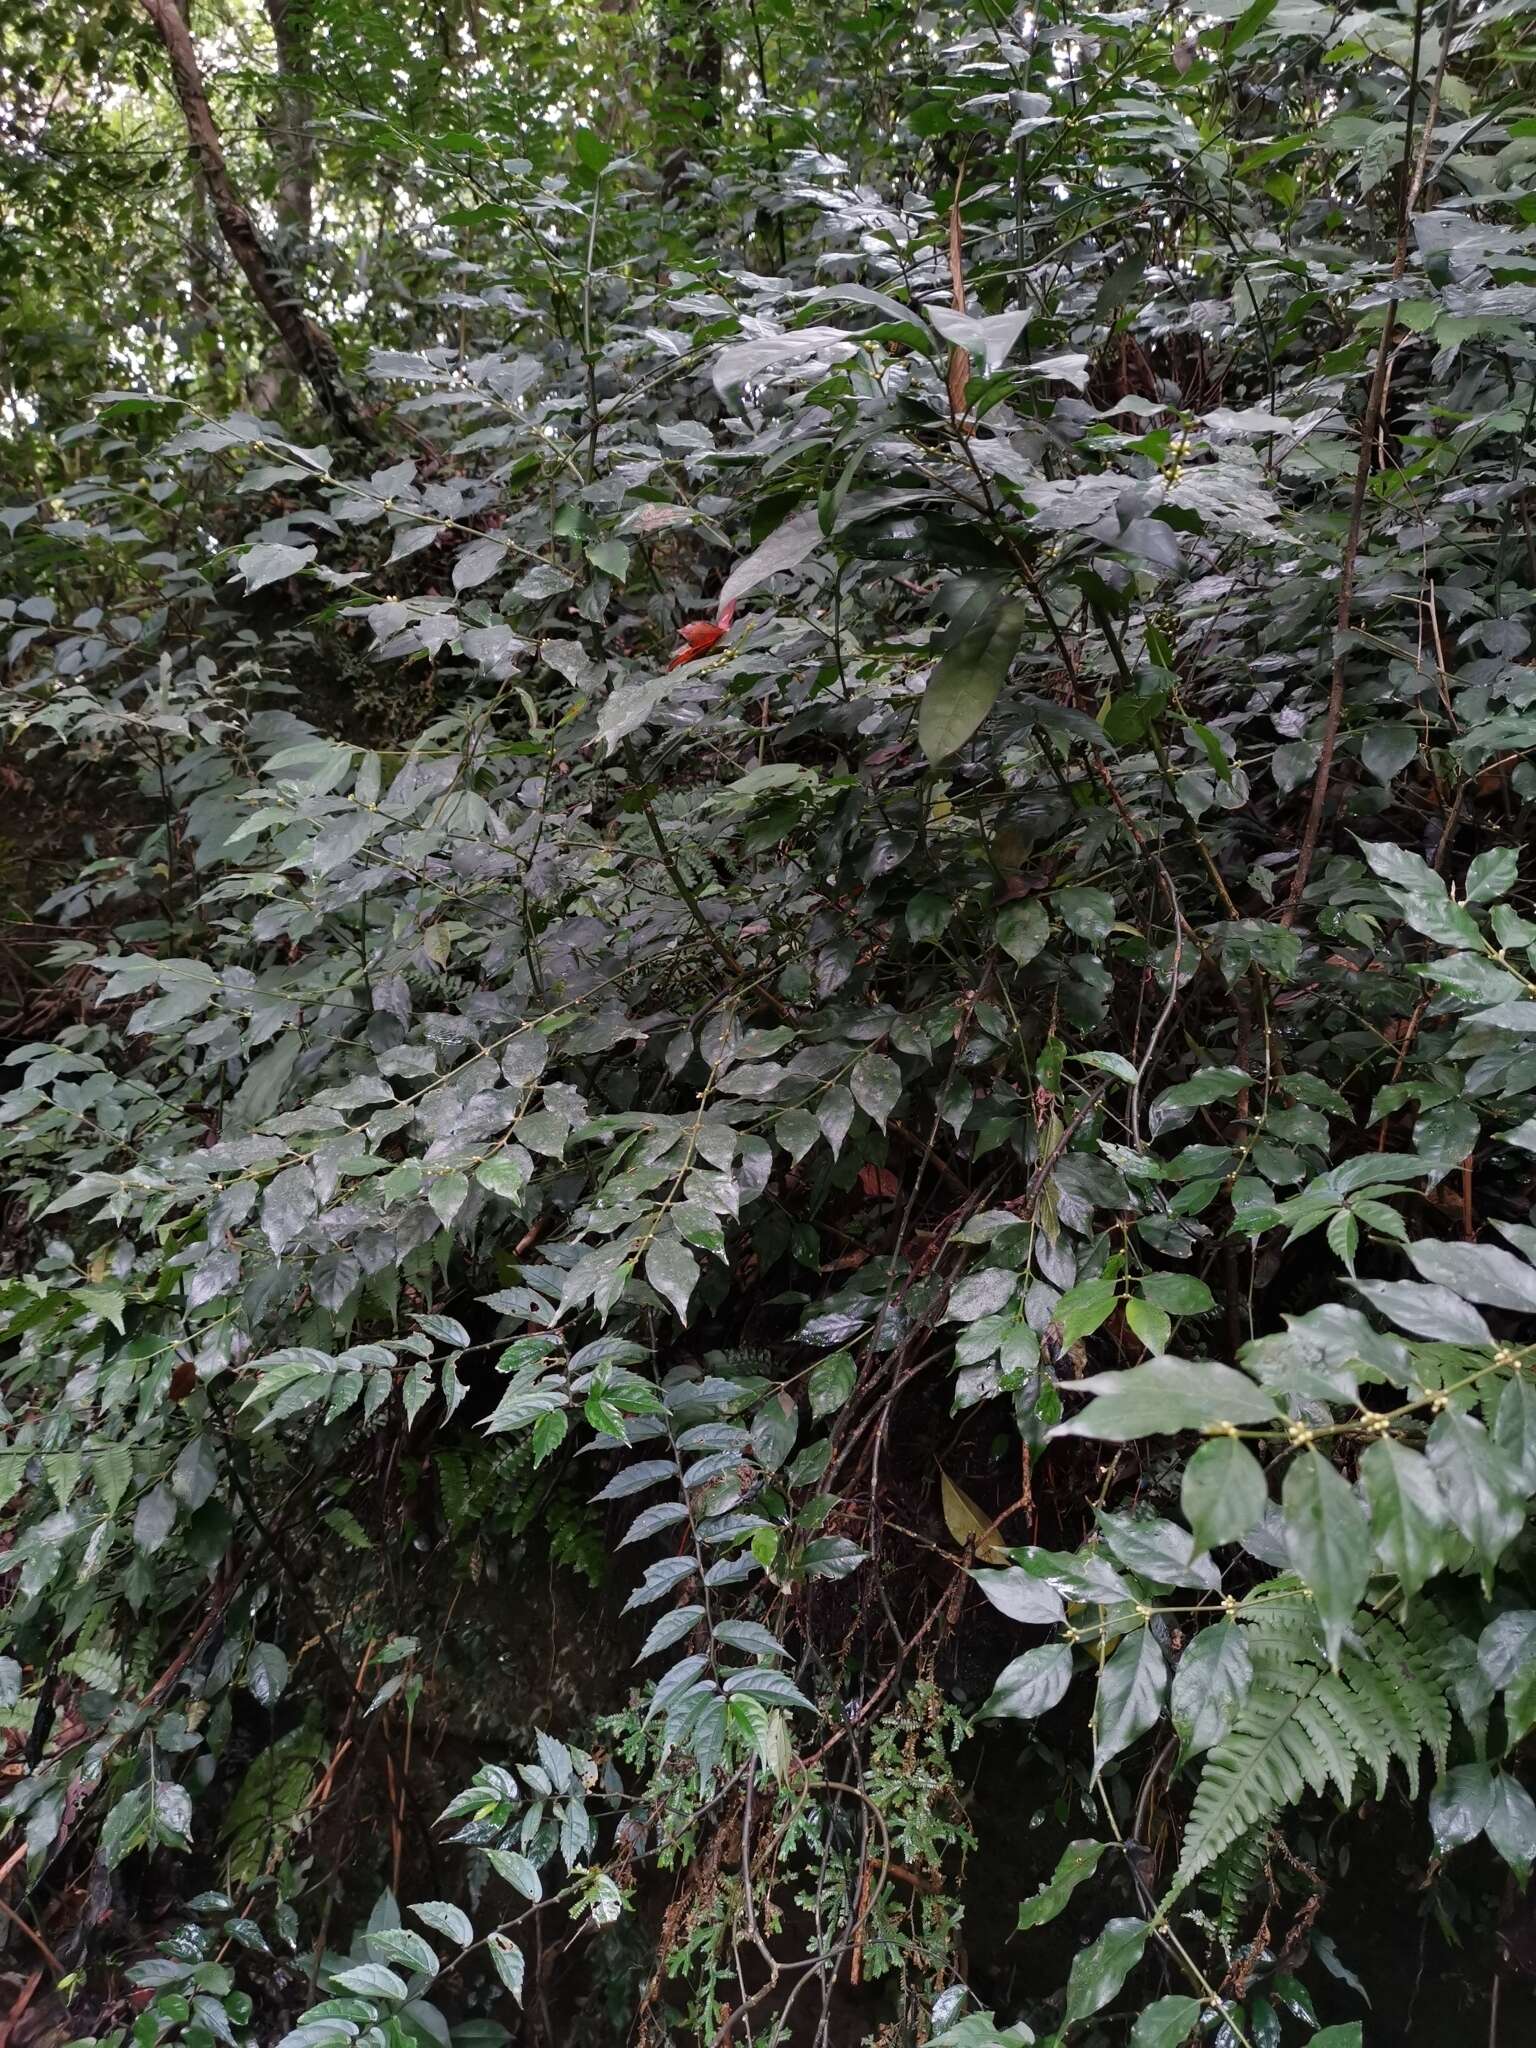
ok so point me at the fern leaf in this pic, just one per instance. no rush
(1305, 1725)
(453, 1485)
(1249, 1777)
(1236, 1876)
(1359, 1726)
(1328, 1741)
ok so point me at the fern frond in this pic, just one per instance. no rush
(1305, 1725)
(1360, 1726)
(1235, 1878)
(453, 1484)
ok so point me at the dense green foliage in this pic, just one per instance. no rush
(770, 1163)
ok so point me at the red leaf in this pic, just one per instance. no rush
(699, 637)
(878, 1180)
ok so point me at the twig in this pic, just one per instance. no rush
(34, 1937)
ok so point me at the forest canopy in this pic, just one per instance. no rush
(768, 1273)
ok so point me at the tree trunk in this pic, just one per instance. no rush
(202, 278)
(308, 345)
(292, 134)
(688, 80)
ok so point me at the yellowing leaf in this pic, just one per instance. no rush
(967, 1524)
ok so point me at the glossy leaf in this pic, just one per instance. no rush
(1328, 1537)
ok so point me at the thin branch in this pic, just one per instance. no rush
(1370, 426)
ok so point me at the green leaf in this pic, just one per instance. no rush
(1428, 1311)
(673, 1271)
(785, 548)
(171, 1807)
(1506, 1645)
(1175, 1105)
(1084, 1309)
(1492, 875)
(1079, 1860)
(1107, 1063)
(266, 1673)
(1223, 1492)
(611, 556)
(1099, 1971)
(443, 1918)
(968, 679)
(1387, 749)
(1215, 753)
(797, 1131)
(270, 561)
(400, 1945)
(521, 1405)
(1148, 1323)
(1022, 930)
(373, 1980)
(1130, 1699)
(981, 2030)
(1514, 1430)
(775, 1426)
(1481, 1494)
(446, 1193)
(1329, 1540)
(1478, 1272)
(1403, 869)
(1209, 1686)
(154, 1518)
(1166, 2022)
(1031, 1685)
(876, 1085)
(592, 150)
(669, 1630)
(1460, 1805)
(417, 1391)
(505, 1176)
(126, 1827)
(988, 337)
(1511, 1824)
(1178, 1294)
(1408, 1518)
(830, 1383)
(507, 1959)
(1344, 1238)
(1294, 764)
(1520, 1704)
(927, 918)
(103, 1301)
(1164, 1396)
(1438, 918)
(522, 1875)
(1155, 1549)
(1090, 913)
(1021, 1596)
(549, 1432)
(776, 1688)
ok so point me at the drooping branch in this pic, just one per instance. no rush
(308, 345)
